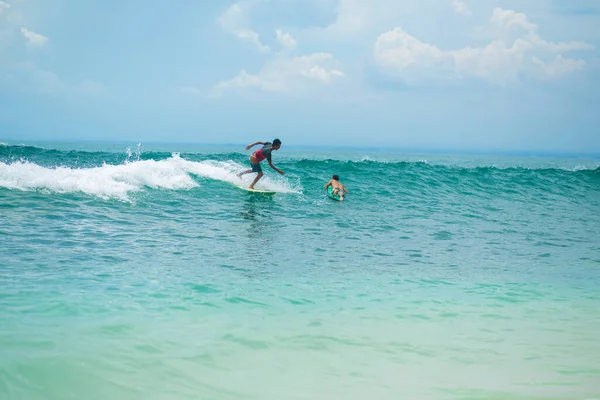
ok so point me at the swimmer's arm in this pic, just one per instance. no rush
(253, 144)
(275, 168)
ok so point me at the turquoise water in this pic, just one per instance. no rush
(143, 272)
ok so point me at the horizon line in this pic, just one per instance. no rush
(480, 151)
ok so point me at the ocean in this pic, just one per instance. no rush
(140, 271)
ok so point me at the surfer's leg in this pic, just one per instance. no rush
(260, 174)
(244, 172)
(256, 168)
(338, 192)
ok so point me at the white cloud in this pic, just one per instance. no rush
(282, 73)
(399, 49)
(252, 37)
(3, 6)
(234, 17)
(501, 61)
(285, 74)
(235, 20)
(34, 39)
(510, 19)
(356, 17)
(461, 8)
(285, 39)
(559, 66)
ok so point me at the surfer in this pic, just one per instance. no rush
(337, 187)
(258, 156)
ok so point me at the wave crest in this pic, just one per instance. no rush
(119, 181)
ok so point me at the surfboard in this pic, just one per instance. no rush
(262, 191)
(330, 194)
(257, 190)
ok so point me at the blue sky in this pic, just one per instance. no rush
(427, 74)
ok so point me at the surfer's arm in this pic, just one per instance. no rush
(253, 144)
(275, 168)
(327, 184)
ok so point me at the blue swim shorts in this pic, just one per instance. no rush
(256, 167)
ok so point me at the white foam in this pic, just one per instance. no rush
(138, 152)
(581, 167)
(119, 181)
(227, 172)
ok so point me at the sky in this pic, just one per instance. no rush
(514, 75)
